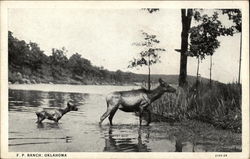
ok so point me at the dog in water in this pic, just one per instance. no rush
(54, 114)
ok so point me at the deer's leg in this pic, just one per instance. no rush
(140, 115)
(40, 117)
(106, 114)
(149, 116)
(56, 120)
(141, 109)
(112, 113)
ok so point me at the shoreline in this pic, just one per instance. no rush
(69, 88)
(107, 84)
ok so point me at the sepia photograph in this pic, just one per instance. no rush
(124, 77)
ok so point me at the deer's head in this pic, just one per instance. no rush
(72, 107)
(166, 87)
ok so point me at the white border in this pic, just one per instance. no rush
(243, 5)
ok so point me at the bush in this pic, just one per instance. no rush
(219, 104)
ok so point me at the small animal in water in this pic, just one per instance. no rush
(54, 114)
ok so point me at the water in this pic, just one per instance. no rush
(79, 131)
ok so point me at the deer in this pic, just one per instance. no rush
(134, 101)
(54, 113)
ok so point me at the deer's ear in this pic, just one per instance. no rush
(68, 104)
(161, 81)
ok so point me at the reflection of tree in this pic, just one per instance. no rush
(57, 99)
(25, 98)
(78, 97)
(124, 144)
(48, 126)
(178, 145)
(183, 143)
(39, 98)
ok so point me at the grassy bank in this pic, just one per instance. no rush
(219, 104)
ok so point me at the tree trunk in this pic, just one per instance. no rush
(149, 85)
(186, 16)
(197, 74)
(210, 76)
(240, 57)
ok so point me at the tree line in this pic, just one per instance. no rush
(26, 59)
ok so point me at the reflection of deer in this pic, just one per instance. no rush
(124, 144)
(134, 101)
(180, 144)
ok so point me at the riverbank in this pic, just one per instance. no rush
(218, 104)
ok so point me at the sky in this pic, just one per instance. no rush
(105, 37)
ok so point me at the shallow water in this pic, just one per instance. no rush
(79, 131)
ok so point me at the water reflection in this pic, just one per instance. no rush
(124, 143)
(21, 100)
(178, 145)
(25, 98)
(48, 125)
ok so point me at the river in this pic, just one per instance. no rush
(79, 131)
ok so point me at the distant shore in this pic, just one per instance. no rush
(61, 83)
(23, 79)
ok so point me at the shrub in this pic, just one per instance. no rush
(219, 104)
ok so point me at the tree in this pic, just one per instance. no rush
(36, 57)
(79, 65)
(236, 16)
(149, 54)
(17, 52)
(58, 56)
(203, 37)
(58, 62)
(75, 64)
(151, 10)
(186, 17)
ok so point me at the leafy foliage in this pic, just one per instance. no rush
(151, 10)
(79, 65)
(203, 37)
(149, 54)
(236, 16)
